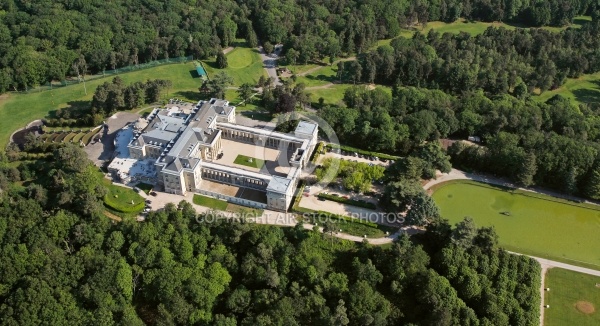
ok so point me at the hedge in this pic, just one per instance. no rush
(298, 196)
(69, 137)
(349, 219)
(23, 156)
(340, 217)
(86, 139)
(316, 153)
(78, 137)
(61, 137)
(363, 152)
(124, 209)
(353, 202)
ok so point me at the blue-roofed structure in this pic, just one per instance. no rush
(200, 70)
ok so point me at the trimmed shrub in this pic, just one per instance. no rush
(316, 153)
(69, 137)
(86, 139)
(298, 196)
(347, 219)
(78, 137)
(358, 203)
(61, 137)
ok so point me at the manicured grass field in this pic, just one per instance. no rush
(570, 298)
(245, 160)
(585, 89)
(17, 110)
(123, 199)
(534, 224)
(209, 202)
(244, 66)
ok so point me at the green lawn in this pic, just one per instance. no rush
(209, 202)
(122, 199)
(585, 89)
(244, 211)
(233, 97)
(567, 289)
(322, 76)
(536, 225)
(332, 95)
(17, 110)
(245, 160)
(298, 69)
(352, 228)
(473, 28)
(145, 187)
(244, 66)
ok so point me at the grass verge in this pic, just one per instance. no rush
(209, 202)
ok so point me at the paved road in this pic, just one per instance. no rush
(270, 64)
(546, 263)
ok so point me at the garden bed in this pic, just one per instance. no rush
(363, 152)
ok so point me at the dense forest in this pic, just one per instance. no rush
(553, 144)
(64, 263)
(47, 40)
(499, 61)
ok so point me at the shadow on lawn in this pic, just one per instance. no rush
(74, 109)
(211, 63)
(580, 21)
(326, 78)
(588, 95)
(261, 116)
(194, 74)
(191, 95)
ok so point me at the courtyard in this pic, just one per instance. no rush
(275, 162)
(239, 192)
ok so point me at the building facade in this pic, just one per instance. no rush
(185, 142)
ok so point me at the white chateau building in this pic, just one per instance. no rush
(193, 148)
